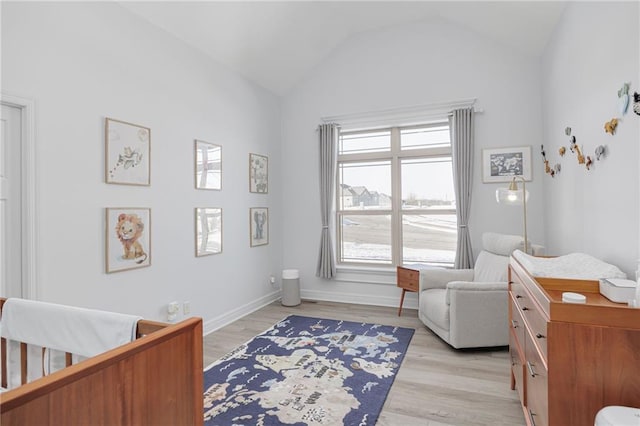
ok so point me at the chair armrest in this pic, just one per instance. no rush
(478, 314)
(478, 287)
(537, 250)
(438, 278)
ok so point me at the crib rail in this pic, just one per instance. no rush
(143, 328)
(156, 379)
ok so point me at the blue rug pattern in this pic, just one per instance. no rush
(306, 371)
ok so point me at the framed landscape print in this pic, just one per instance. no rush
(259, 226)
(258, 173)
(208, 165)
(502, 164)
(127, 151)
(128, 239)
(208, 231)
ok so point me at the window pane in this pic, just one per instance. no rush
(365, 238)
(208, 230)
(357, 143)
(365, 185)
(208, 170)
(425, 137)
(429, 238)
(427, 183)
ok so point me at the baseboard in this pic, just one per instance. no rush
(328, 296)
(227, 318)
(359, 299)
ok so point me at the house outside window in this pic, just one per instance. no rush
(395, 196)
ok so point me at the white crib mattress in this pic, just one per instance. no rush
(577, 266)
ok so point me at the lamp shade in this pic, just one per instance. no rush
(512, 197)
(516, 197)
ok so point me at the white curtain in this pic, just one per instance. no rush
(462, 128)
(328, 135)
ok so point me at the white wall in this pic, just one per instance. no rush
(595, 49)
(82, 62)
(417, 64)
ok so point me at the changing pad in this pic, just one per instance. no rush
(577, 266)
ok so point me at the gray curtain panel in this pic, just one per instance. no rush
(328, 134)
(462, 128)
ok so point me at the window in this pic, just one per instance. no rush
(395, 196)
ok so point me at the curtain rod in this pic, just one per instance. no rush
(412, 114)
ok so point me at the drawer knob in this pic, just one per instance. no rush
(530, 368)
(518, 296)
(514, 323)
(540, 336)
(525, 308)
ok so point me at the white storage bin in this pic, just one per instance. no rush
(290, 287)
(616, 415)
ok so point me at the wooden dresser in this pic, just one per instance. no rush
(570, 360)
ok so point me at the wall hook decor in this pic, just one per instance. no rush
(576, 149)
(610, 126)
(562, 151)
(547, 168)
(636, 102)
(623, 98)
(589, 162)
(599, 152)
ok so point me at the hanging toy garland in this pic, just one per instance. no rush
(636, 103)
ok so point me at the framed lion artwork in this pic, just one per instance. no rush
(128, 238)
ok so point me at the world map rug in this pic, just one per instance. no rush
(306, 371)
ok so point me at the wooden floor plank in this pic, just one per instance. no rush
(436, 385)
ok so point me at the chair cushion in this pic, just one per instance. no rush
(501, 244)
(491, 267)
(433, 303)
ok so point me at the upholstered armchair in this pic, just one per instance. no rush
(468, 308)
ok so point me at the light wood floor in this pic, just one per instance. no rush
(436, 385)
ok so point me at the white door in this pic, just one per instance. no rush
(10, 202)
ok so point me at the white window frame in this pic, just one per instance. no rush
(395, 155)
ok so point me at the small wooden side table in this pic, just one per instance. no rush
(408, 280)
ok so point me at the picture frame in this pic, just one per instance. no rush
(127, 153)
(502, 164)
(258, 173)
(208, 226)
(258, 226)
(208, 165)
(128, 238)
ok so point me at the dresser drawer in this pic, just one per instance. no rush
(536, 384)
(516, 322)
(537, 325)
(516, 354)
(532, 316)
(408, 279)
(519, 293)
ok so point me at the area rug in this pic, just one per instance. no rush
(306, 371)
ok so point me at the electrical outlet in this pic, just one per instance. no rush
(272, 280)
(186, 307)
(172, 311)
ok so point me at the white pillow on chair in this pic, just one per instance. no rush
(501, 244)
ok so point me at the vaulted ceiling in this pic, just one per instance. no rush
(275, 43)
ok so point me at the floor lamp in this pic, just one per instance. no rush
(514, 197)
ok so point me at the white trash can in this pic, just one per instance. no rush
(290, 287)
(616, 415)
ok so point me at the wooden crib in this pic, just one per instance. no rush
(155, 380)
